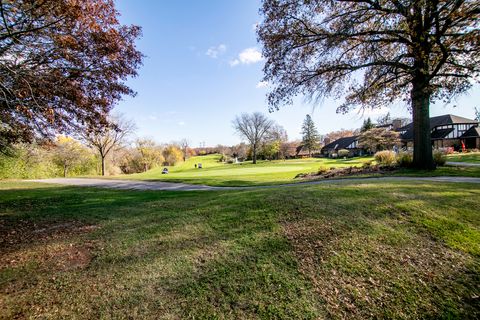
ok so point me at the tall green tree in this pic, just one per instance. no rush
(374, 53)
(367, 125)
(310, 135)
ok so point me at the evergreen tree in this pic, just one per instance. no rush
(311, 137)
(367, 125)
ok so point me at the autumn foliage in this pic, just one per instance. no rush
(63, 66)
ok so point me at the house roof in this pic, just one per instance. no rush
(440, 133)
(473, 132)
(341, 143)
(435, 122)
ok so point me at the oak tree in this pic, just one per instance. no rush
(373, 52)
(63, 66)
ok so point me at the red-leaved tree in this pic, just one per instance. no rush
(63, 66)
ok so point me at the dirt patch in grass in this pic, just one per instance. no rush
(47, 245)
(382, 274)
(24, 232)
(71, 257)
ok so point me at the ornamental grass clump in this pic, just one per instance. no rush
(405, 159)
(439, 158)
(386, 158)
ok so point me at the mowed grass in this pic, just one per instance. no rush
(340, 251)
(216, 173)
(473, 157)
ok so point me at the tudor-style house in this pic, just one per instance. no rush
(446, 131)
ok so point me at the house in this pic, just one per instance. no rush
(447, 131)
(347, 143)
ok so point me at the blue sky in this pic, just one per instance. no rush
(203, 67)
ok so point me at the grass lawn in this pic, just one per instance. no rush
(342, 251)
(473, 157)
(216, 173)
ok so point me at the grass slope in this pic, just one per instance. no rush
(473, 157)
(366, 250)
(216, 173)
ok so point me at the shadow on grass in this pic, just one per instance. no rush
(246, 254)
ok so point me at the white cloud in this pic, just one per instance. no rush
(215, 52)
(262, 84)
(181, 123)
(247, 56)
(254, 26)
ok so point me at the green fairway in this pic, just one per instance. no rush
(365, 250)
(216, 173)
(473, 157)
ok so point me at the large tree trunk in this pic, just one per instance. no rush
(422, 144)
(103, 165)
(254, 154)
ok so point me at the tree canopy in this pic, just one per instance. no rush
(253, 127)
(373, 53)
(63, 65)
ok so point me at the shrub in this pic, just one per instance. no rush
(322, 170)
(343, 153)
(385, 157)
(367, 164)
(405, 159)
(439, 158)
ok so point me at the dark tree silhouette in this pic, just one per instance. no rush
(374, 52)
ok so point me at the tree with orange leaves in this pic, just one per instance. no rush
(63, 66)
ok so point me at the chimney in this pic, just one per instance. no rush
(326, 141)
(396, 123)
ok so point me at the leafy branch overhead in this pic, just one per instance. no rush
(369, 50)
(63, 65)
(372, 53)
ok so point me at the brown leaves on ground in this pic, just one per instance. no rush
(367, 275)
(45, 244)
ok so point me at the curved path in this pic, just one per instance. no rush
(169, 186)
(462, 164)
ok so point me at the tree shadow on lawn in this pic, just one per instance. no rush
(375, 255)
(339, 251)
(150, 250)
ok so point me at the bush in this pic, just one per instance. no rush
(367, 164)
(439, 158)
(322, 170)
(385, 157)
(405, 159)
(343, 153)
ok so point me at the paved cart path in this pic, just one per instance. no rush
(169, 186)
(462, 164)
